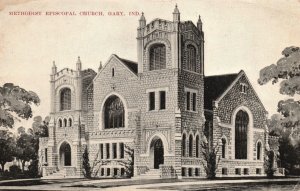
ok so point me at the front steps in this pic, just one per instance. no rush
(150, 174)
(59, 174)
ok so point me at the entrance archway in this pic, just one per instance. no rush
(157, 152)
(65, 154)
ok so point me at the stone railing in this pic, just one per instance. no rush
(47, 170)
(69, 171)
(167, 171)
(142, 169)
(280, 172)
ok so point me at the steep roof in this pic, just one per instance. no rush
(133, 66)
(214, 86)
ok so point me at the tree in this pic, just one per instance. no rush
(15, 104)
(269, 164)
(7, 148)
(86, 164)
(27, 147)
(40, 127)
(287, 70)
(209, 154)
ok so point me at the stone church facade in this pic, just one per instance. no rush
(161, 107)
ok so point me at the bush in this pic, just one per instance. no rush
(269, 164)
(15, 171)
(33, 169)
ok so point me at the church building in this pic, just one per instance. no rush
(155, 113)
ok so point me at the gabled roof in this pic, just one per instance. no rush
(133, 66)
(215, 86)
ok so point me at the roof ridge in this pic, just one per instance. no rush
(217, 75)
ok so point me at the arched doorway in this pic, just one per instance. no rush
(65, 154)
(157, 152)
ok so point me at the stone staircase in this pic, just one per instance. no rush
(58, 174)
(151, 174)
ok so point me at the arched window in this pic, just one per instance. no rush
(191, 58)
(158, 57)
(258, 151)
(223, 148)
(197, 146)
(65, 122)
(183, 145)
(65, 99)
(112, 72)
(70, 122)
(114, 114)
(241, 126)
(191, 146)
(60, 123)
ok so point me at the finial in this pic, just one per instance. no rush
(176, 10)
(54, 68)
(78, 60)
(54, 63)
(100, 66)
(199, 19)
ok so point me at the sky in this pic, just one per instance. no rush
(239, 34)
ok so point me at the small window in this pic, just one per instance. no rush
(65, 122)
(162, 96)
(258, 150)
(190, 172)
(116, 172)
(121, 150)
(122, 171)
(194, 101)
(102, 171)
(108, 172)
(243, 88)
(183, 171)
(107, 151)
(197, 172)
(258, 170)
(46, 155)
(60, 123)
(188, 101)
(246, 171)
(223, 148)
(112, 72)
(152, 101)
(114, 147)
(238, 171)
(101, 151)
(224, 171)
(70, 122)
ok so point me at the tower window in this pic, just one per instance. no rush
(70, 122)
(191, 58)
(46, 155)
(101, 151)
(223, 148)
(194, 102)
(60, 123)
(65, 122)
(188, 101)
(158, 57)
(191, 146)
(152, 101)
(162, 96)
(65, 99)
(121, 150)
(183, 145)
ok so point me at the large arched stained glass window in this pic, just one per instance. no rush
(191, 58)
(241, 127)
(114, 114)
(158, 57)
(65, 99)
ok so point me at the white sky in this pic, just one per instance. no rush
(239, 34)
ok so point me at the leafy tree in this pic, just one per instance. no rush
(209, 154)
(287, 70)
(7, 148)
(269, 164)
(21, 130)
(15, 104)
(40, 127)
(27, 146)
(86, 164)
